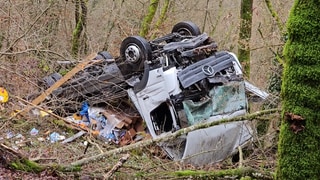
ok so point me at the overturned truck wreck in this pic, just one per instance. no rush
(174, 81)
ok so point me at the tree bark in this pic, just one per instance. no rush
(162, 18)
(298, 152)
(245, 34)
(145, 26)
(81, 23)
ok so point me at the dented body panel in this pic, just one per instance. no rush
(163, 113)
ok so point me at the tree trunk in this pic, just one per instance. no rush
(162, 18)
(298, 154)
(81, 22)
(145, 26)
(245, 34)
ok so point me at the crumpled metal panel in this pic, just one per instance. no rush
(215, 143)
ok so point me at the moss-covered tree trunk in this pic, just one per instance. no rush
(81, 22)
(299, 143)
(245, 34)
(162, 18)
(145, 26)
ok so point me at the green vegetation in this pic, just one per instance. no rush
(163, 16)
(299, 156)
(239, 172)
(245, 34)
(31, 166)
(26, 165)
(81, 23)
(145, 26)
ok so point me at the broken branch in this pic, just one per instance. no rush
(117, 166)
(238, 172)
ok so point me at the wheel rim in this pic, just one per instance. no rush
(132, 53)
(184, 32)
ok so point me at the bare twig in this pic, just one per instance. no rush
(18, 74)
(57, 84)
(70, 125)
(32, 50)
(28, 30)
(117, 166)
(11, 150)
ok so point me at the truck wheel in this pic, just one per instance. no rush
(103, 55)
(49, 80)
(135, 50)
(186, 28)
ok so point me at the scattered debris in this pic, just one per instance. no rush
(34, 132)
(106, 125)
(4, 96)
(55, 137)
(10, 135)
(72, 138)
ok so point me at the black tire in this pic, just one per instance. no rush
(48, 81)
(135, 50)
(103, 55)
(186, 28)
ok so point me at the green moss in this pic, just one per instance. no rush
(246, 178)
(44, 66)
(187, 173)
(239, 172)
(298, 154)
(76, 37)
(149, 17)
(59, 122)
(26, 165)
(245, 34)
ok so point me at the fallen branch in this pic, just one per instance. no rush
(117, 166)
(234, 173)
(171, 136)
(11, 150)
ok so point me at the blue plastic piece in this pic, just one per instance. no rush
(84, 110)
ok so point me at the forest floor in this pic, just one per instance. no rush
(148, 162)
